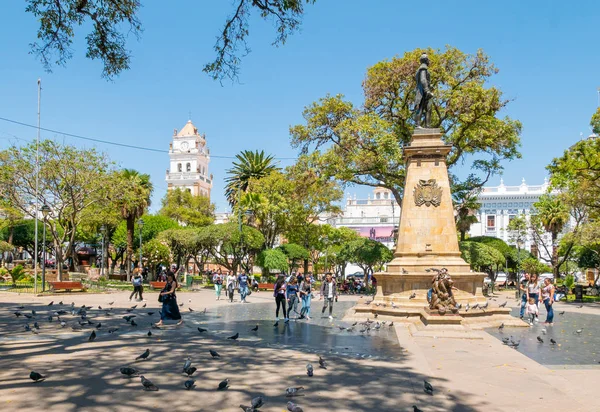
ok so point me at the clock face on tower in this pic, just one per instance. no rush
(185, 145)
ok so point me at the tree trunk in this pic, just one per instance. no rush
(130, 232)
(462, 235)
(555, 265)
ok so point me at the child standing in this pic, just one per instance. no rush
(532, 310)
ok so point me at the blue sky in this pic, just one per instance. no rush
(547, 51)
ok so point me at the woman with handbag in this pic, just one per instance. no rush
(168, 298)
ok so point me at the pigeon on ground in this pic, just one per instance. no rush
(27, 315)
(484, 306)
(187, 364)
(257, 402)
(33, 312)
(467, 307)
(248, 408)
(89, 322)
(17, 314)
(502, 305)
(181, 304)
(413, 295)
(129, 372)
(276, 324)
(144, 355)
(51, 303)
(133, 307)
(322, 363)
(144, 305)
(292, 407)
(475, 306)
(501, 326)
(540, 340)
(99, 325)
(60, 303)
(578, 307)
(415, 409)
(234, 337)
(190, 371)
(189, 384)
(427, 387)
(309, 369)
(355, 323)
(578, 331)
(150, 313)
(544, 331)
(293, 391)
(341, 328)
(505, 340)
(92, 336)
(155, 326)
(63, 323)
(190, 309)
(50, 318)
(202, 330)
(214, 353)
(35, 325)
(391, 324)
(133, 323)
(111, 303)
(561, 313)
(112, 330)
(149, 334)
(148, 385)
(128, 318)
(224, 384)
(552, 341)
(99, 307)
(36, 377)
(254, 329)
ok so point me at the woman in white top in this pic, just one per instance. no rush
(548, 299)
(231, 282)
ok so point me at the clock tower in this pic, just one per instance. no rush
(189, 159)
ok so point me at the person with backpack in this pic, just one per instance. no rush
(218, 282)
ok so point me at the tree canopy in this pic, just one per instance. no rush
(481, 256)
(109, 23)
(362, 144)
(187, 209)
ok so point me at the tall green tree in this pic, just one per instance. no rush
(135, 191)
(249, 165)
(368, 254)
(187, 209)
(595, 122)
(109, 23)
(482, 257)
(71, 180)
(466, 207)
(362, 144)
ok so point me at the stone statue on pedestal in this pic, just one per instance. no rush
(423, 99)
(442, 299)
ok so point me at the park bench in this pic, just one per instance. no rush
(68, 286)
(266, 286)
(158, 285)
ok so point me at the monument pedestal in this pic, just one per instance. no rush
(427, 239)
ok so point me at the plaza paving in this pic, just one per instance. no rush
(379, 371)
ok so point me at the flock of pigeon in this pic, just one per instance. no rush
(81, 317)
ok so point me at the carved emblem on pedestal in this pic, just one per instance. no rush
(427, 193)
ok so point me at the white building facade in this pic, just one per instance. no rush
(189, 159)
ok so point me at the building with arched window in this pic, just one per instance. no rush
(189, 159)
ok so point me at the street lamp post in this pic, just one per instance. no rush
(141, 225)
(519, 245)
(103, 231)
(45, 212)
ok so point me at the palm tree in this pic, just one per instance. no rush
(134, 199)
(465, 214)
(553, 215)
(250, 165)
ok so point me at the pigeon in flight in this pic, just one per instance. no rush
(427, 387)
(148, 385)
(189, 384)
(129, 372)
(502, 305)
(224, 384)
(202, 330)
(144, 355)
(292, 407)
(540, 340)
(293, 391)
(36, 377)
(214, 353)
(92, 336)
(254, 329)
(234, 337)
(322, 363)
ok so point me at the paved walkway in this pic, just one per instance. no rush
(366, 372)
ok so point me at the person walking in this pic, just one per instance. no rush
(243, 286)
(523, 287)
(279, 292)
(329, 293)
(218, 281)
(292, 296)
(137, 286)
(548, 299)
(533, 290)
(168, 298)
(231, 280)
(305, 292)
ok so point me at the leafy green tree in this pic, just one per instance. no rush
(595, 122)
(110, 22)
(156, 253)
(135, 191)
(71, 180)
(550, 216)
(183, 243)
(187, 209)
(249, 165)
(273, 259)
(294, 253)
(532, 265)
(482, 257)
(363, 144)
(466, 206)
(231, 248)
(517, 229)
(368, 254)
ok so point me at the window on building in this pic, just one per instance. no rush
(491, 222)
(188, 167)
(378, 196)
(179, 167)
(383, 219)
(385, 195)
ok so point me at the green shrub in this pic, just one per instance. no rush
(17, 273)
(569, 282)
